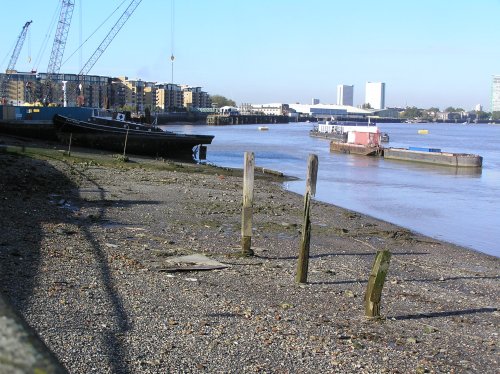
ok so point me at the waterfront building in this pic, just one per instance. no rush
(327, 112)
(345, 95)
(20, 87)
(168, 96)
(132, 93)
(34, 88)
(150, 96)
(273, 109)
(451, 116)
(495, 94)
(31, 88)
(194, 97)
(375, 95)
(93, 90)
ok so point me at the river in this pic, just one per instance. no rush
(460, 206)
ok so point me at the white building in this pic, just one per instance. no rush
(375, 95)
(329, 111)
(495, 94)
(274, 109)
(345, 95)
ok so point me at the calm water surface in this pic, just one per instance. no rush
(455, 205)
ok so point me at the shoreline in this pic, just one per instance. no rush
(85, 259)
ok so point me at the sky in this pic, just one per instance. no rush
(429, 53)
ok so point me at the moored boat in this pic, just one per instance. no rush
(434, 156)
(139, 139)
(357, 149)
(357, 139)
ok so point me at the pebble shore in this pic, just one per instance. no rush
(85, 257)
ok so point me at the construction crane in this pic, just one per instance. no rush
(104, 44)
(58, 45)
(12, 62)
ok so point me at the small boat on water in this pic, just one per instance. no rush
(361, 138)
(337, 130)
(263, 128)
(434, 156)
(114, 134)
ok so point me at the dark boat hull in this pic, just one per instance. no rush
(139, 142)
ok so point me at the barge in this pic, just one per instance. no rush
(356, 149)
(353, 138)
(116, 135)
(433, 156)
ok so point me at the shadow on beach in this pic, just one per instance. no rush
(34, 205)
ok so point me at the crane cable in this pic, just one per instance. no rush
(48, 35)
(29, 46)
(9, 52)
(172, 30)
(91, 35)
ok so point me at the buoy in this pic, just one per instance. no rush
(423, 132)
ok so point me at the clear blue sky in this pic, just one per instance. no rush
(428, 52)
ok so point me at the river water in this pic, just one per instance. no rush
(460, 206)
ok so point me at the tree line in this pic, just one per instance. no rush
(428, 114)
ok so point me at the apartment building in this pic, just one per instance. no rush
(194, 97)
(375, 95)
(345, 95)
(100, 92)
(168, 96)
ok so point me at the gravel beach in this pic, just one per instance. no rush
(87, 257)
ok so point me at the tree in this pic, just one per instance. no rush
(366, 106)
(411, 112)
(433, 109)
(483, 115)
(451, 109)
(495, 115)
(220, 101)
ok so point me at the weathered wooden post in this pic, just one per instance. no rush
(246, 220)
(303, 262)
(69, 146)
(376, 283)
(125, 146)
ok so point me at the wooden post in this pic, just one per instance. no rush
(246, 221)
(376, 283)
(125, 146)
(69, 146)
(303, 262)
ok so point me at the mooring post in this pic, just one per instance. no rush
(125, 146)
(376, 283)
(303, 262)
(69, 146)
(246, 220)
